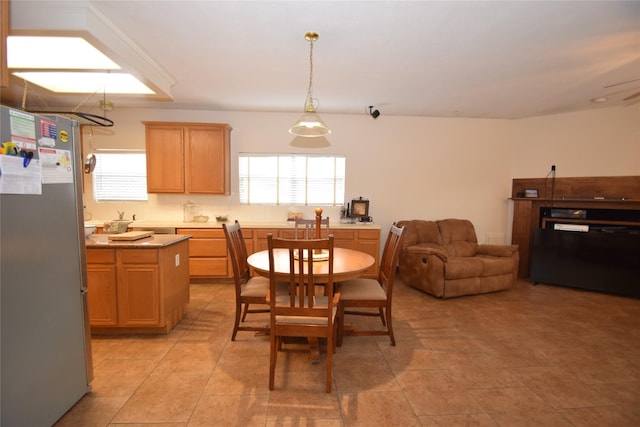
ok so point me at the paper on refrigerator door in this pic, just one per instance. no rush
(56, 166)
(15, 178)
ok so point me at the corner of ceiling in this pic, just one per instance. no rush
(80, 18)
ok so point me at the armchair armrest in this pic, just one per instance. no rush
(497, 250)
(427, 250)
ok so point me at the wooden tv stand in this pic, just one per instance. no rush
(614, 194)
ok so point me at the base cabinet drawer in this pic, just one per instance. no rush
(209, 267)
(208, 254)
(207, 248)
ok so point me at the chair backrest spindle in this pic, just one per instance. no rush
(308, 226)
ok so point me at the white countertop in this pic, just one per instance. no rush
(244, 224)
(96, 241)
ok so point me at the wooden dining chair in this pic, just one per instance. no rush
(365, 294)
(302, 313)
(248, 290)
(308, 226)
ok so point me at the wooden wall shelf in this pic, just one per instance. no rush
(584, 189)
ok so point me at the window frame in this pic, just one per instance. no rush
(326, 188)
(134, 194)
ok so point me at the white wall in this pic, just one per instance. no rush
(409, 167)
(604, 142)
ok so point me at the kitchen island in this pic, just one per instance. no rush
(139, 286)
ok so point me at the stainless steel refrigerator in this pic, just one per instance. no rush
(45, 355)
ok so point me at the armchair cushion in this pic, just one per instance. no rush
(497, 250)
(421, 232)
(458, 237)
(462, 268)
(493, 266)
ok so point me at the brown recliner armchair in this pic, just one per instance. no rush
(444, 259)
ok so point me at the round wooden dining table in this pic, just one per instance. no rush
(347, 264)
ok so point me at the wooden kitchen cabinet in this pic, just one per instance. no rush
(260, 238)
(137, 290)
(344, 238)
(102, 292)
(189, 158)
(165, 158)
(367, 241)
(207, 252)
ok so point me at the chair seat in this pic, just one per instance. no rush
(364, 295)
(361, 289)
(259, 286)
(304, 320)
(320, 301)
(255, 287)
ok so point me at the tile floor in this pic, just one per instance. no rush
(530, 356)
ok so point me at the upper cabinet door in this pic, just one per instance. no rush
(188, 158)
(207, 159)
(165, 158)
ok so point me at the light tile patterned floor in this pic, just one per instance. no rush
(531, 356)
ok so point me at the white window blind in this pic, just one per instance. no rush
(291, 179)
(120, 176)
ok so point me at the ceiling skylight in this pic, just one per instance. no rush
(55, 53)
(28, 53)
(86, 82)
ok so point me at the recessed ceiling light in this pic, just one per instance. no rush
(86, 82)
(81, 24)
(55, 53)
(600, 99)
(41, 61)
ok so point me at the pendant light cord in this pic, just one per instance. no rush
(310, 89)
(308, 105)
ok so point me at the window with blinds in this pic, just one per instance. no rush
(120, 176)
(291, 179)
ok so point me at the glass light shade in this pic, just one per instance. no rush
(309, 125)
(317, 142)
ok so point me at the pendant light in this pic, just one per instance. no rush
(310, 124)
